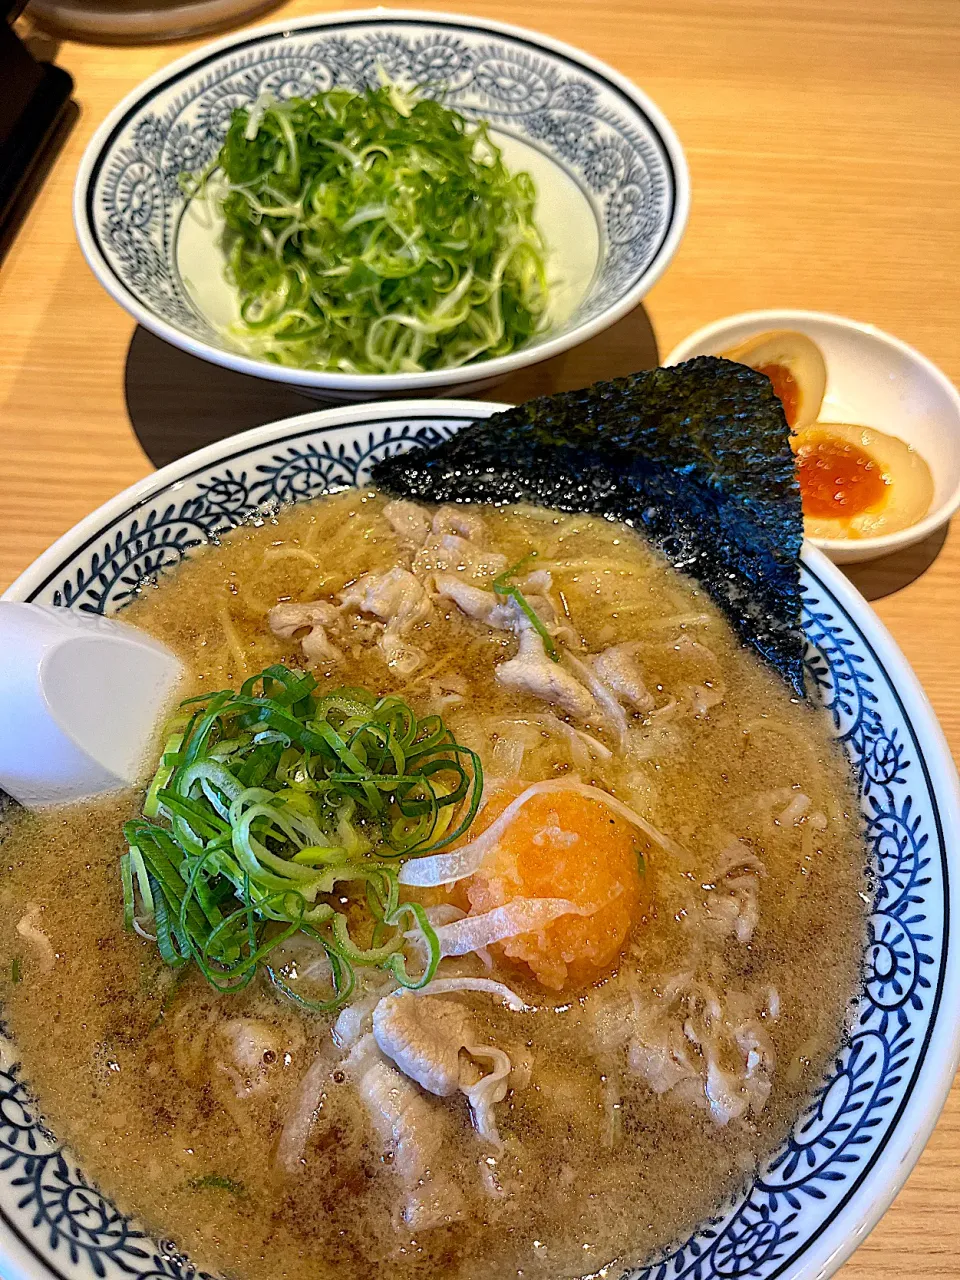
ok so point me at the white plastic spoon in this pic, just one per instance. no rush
(80, 698)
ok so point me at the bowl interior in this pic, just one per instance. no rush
(850, 1150)
(607, 183)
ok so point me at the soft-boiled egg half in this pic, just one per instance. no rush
(855, 482)
(794, 364)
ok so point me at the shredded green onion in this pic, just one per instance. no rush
(15, 970)
(375, 232)
(276, 812)
(503, 587)
(217, 1182)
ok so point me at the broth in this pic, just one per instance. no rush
(235, 1124)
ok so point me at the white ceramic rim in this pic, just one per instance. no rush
(783, 317)
(379, 384)
(919, 1116)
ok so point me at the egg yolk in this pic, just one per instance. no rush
(837, 479)
(785, 388)
(564, 845)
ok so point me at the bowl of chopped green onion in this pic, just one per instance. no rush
(381, 203)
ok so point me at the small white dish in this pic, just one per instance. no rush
(613, 182)
(873, 380)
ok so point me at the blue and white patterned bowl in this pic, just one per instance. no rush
(613, 183)
(851, 1150)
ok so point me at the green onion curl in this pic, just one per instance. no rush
(275, 812)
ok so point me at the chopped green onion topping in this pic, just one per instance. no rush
(217, 1182)
(15, 970)
(503, 587)
(375, 232)
(275, 812)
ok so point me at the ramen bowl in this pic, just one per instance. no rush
(610, 172)
(853, 1145)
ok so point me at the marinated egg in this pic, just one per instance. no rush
(794, 364)
(565, 845)
(856, 482)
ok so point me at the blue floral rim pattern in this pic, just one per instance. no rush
(584, 122)
(839, 1139)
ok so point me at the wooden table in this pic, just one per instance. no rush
(822, 137)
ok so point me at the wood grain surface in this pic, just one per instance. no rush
(823, 139)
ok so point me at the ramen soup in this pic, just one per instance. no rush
(640, 951)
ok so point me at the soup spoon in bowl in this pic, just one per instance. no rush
(80, 700)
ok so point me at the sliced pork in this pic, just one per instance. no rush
(731, 902)
(400, 601)
(617, 667)
(411, 523)
(320, 616)
(475, 602)
(413, 1132)
(704, 1048)
(435, 1042)
(533, 671)
(424, 1037)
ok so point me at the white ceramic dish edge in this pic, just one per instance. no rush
(388, 384)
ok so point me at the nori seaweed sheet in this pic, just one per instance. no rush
(696, 454)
